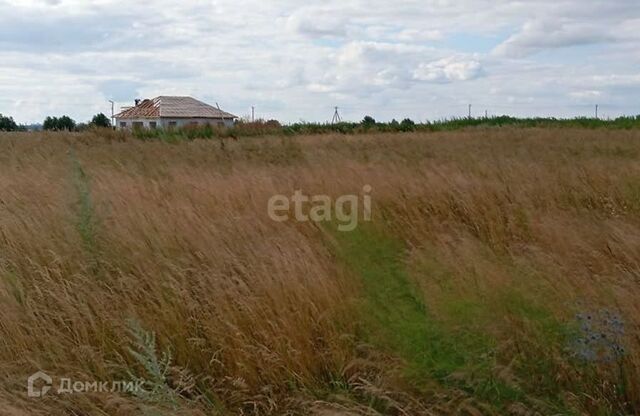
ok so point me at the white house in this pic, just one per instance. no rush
(168, 112)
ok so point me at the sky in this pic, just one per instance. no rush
(296, 61)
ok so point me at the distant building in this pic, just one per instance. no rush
(168, 112)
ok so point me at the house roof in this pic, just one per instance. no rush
(173, 107)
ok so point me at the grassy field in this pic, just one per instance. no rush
(500, 274)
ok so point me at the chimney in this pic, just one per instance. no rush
(137, 102)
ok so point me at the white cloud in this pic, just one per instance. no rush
(419, 35)
(544, 34)
(364, 68)
(314, 22)
(449, 69)
(585, 95)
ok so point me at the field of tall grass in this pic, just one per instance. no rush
(370, 126)
(500, 274)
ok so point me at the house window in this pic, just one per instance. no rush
(138, 124)
(194, 123)
(220, 123)
(173, 124)
(123, 124)
(153, 125)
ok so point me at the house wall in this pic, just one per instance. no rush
(181, 122)
(166, 122)
(145, 122)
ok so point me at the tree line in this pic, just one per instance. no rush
(367, 125)
(62, 123)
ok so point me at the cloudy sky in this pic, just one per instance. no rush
(423, 59)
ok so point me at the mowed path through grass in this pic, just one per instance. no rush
(396, 318)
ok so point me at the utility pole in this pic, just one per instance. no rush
(113, 121)
(486, 114)
(469, 111)
(253, 114)
(336, 117)
(597, 106)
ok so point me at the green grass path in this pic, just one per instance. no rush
(395, 318)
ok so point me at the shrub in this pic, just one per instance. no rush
(100, 120)
(368, 121)
(407, 125)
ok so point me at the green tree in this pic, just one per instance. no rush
(7, 123)
(100, 120)
(369, 121)
(407, 125)
(50, 123)
(62, 123)
(66, 123)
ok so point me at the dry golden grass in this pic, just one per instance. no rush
(505, 235)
